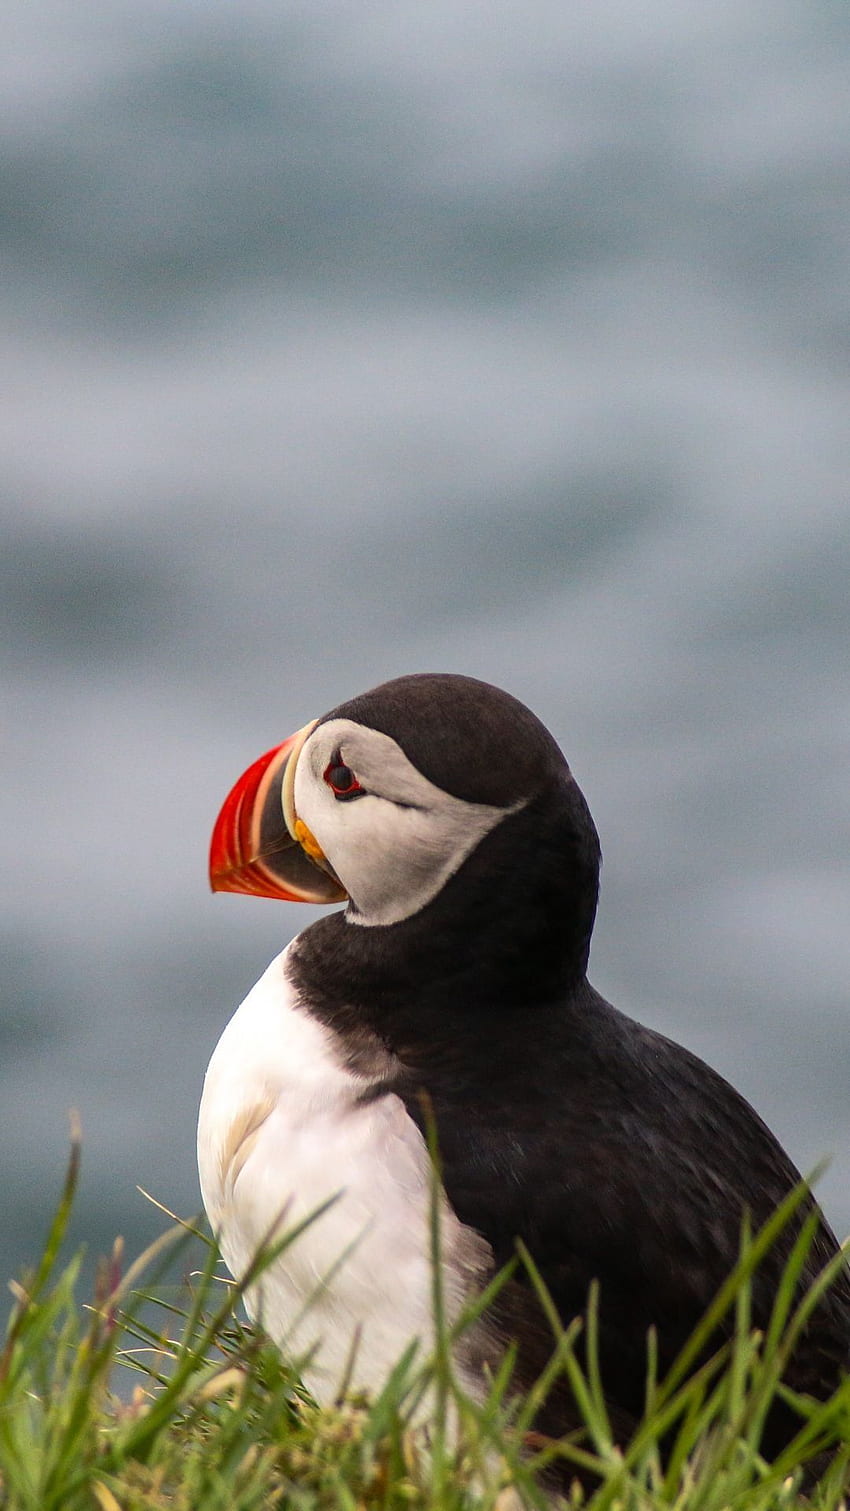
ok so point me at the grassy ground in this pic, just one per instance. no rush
(213, 1420)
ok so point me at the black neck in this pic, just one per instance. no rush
(509, 933)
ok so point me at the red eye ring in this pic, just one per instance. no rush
(341, 779)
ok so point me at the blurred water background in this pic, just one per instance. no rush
(341, 341)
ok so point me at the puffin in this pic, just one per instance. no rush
(447, 1005)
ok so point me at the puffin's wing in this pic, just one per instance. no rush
(642, 1189)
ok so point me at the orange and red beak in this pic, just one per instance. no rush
(257, 843)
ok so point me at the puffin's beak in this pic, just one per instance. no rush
(258, 844)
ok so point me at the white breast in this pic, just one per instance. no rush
(281, 1130)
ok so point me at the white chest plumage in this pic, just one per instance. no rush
(282, 1129)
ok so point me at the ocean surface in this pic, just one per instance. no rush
(341, 341)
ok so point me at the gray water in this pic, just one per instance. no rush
(341, 341)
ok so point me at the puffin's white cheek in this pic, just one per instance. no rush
(370, 853)
(394, 859)
(314, 804)
(398, 856)
(395, 847)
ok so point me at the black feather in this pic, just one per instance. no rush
(614, 1154)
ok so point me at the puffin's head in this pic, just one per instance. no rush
(383, 799)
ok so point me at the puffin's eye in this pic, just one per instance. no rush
(341, 780)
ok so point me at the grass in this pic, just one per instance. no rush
(209, 1417)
